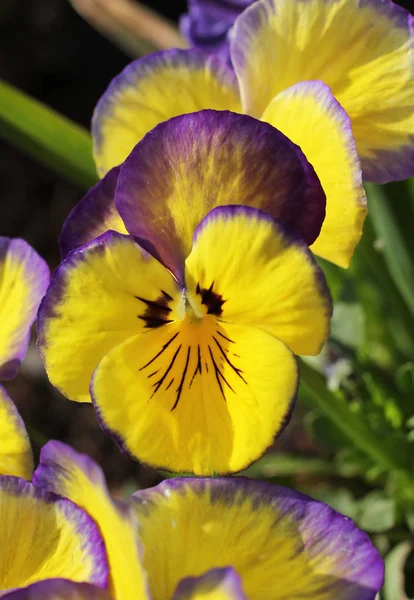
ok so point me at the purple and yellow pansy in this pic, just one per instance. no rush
(184, 332)
(312, 68)
(228, 538)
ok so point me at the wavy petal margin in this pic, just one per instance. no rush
(217, 584)
(281, 543)
(59, 589)
(24, 277)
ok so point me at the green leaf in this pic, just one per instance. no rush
(376, 512)
(47, 136)
(396, 252)
(394, 585)
(281, 464)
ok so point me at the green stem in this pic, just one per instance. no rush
(350, 423)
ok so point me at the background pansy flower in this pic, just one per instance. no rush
(45, 537)
(228, 538)
(24, 277)
(208, 23)
(187, 351)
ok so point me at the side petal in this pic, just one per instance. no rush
(46, 537)
(362, 49)
(192, 163)
(203, 398)
(217, 584)
(93, 215)
(100, 295)
(24, 277)
(311, 117)
(153, 89)
(246, 268)
(16, 457)
(59, 589)
(281, 543)
(75, 476)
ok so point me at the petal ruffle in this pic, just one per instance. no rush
(153, 89)
(44, 537)
(24, 277)
(217, 584)
(311, 117)
(93, 215)
(16, 457)
(199, 397)
(246, 268)
(58, 589)
(100, 295)
(362, 49)
(192, 163)
(75, 476)
(281, 543)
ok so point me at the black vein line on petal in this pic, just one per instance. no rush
(225, 337)
(157, 311)
(180, 387)
(160, 381)
(170, 384)
(235, 369)
(165, 346)
(199, 367)
(152, 374)
(219, 374)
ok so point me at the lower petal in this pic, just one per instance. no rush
(45, 537)
(202, 398)
(311, 117)
(59, 589)
(281, 543)
(75, 476)
(217, 584)
(24, 277)
(16, 457)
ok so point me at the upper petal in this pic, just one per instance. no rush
(362, 49)
(281, 543)
(153, 89)
(190, 164)
(16, 457)
(98, 297)
(93, 215)
(217, 584)
(24, 277)
(246, 268)
(43, 537)
(310, 116)
(75, 476)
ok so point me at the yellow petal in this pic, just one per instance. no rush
(153, 89)
(362, 50)
(217, 584)
(196, 396)
(44, 537)
(75, 476)
(260, 275)
(16, 456)
(99, 296)
(311, 117)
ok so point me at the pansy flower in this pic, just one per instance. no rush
(208, 24)
(218, 539)
(183, 333)
(322, 71)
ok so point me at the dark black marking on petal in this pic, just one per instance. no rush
(223, 354)
(180, 387)
(157, 311)
(160, 381)
(152, 374)
(212, 300)
(165, 346)
(170, 384)
(219, 375)
(225, 337)
(199, 367)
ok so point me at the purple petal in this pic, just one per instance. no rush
(58, 589)
(225, 582)
(188, 165)
(93, 215)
